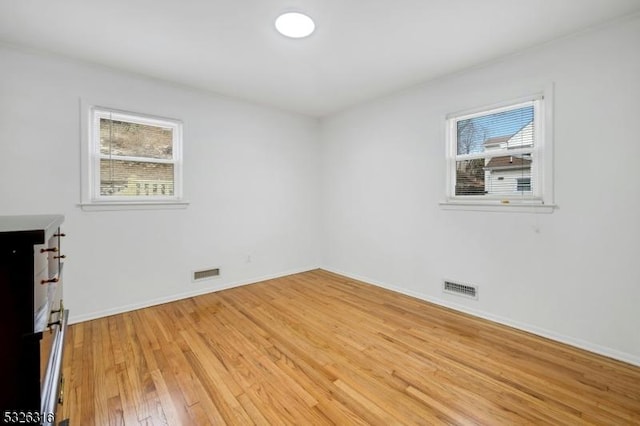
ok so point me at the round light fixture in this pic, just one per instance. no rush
(295, 25)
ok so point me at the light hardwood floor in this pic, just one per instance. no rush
(318, 348)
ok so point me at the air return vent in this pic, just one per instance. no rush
(207, 273)
(470, 291)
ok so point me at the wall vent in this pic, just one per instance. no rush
(207, 273)
(470, 291)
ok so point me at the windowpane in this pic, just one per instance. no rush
(135, 140)
(132, 159)
(505, 175)
(501, 130)
(500, 136)
(133, 178)
(470, 177)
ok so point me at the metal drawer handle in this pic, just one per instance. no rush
(52, 249)
(51, 280)
(61, 396)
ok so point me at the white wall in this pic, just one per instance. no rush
(572, 275)
(251, 174)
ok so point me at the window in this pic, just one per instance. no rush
(133, 159)
(524, 184)
(496, 156)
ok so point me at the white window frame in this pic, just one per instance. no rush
(91, 156)
(541, 152)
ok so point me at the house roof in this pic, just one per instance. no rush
(508, 162)
(497, 140)
(505, 138)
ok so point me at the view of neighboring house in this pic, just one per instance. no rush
(499, 175)
(505, 175)
(132, 158)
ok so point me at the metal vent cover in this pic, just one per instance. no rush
(207, 273)
(466, 290)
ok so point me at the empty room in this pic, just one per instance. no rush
(320, 212)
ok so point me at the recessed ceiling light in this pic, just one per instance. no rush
(295, 25)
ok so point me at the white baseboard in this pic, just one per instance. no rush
(578, 343)
(73, 319)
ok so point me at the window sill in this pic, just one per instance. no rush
(133, 205)
(497, 206)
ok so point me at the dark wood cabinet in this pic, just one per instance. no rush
(31, 287)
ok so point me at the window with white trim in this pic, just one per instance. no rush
(496, 155)
(133, 158)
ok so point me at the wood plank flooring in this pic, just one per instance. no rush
(317, 348)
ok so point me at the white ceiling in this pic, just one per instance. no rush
(361, 49)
